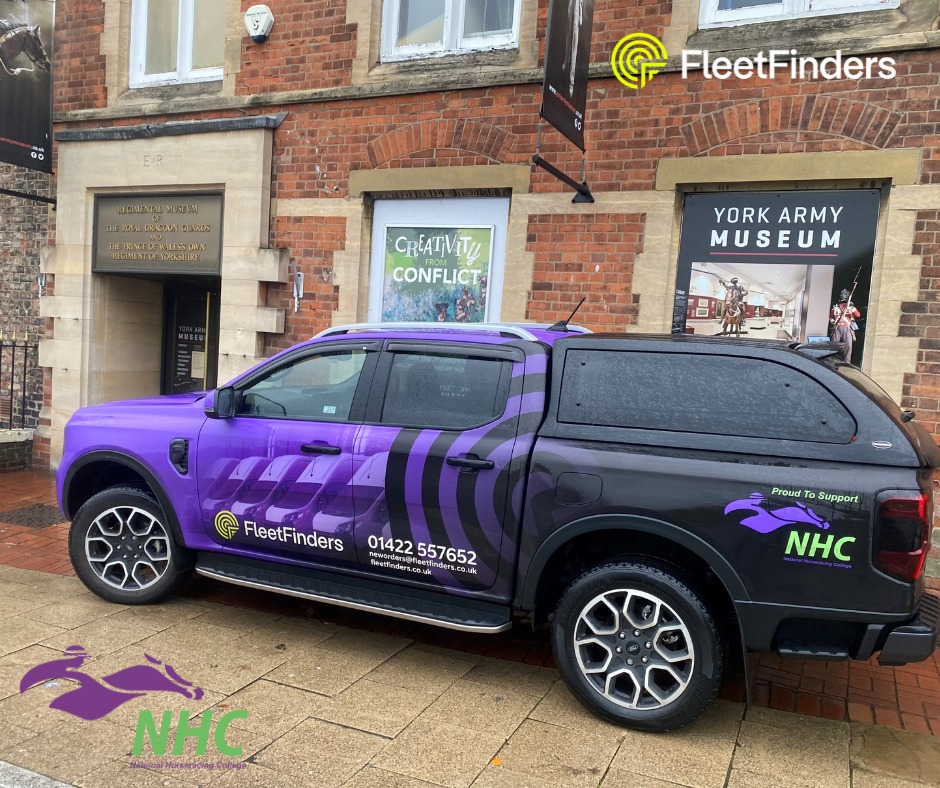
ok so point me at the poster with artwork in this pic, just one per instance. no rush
(777, 265)
(436, 274)
(26, 29)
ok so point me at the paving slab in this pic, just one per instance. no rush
(482, 708)
(439, 753)
(321, 752)
(377, 708)
(562, 756)
(895, 753)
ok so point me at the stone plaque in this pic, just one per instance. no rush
(174, 233)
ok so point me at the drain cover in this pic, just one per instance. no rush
(36, 516)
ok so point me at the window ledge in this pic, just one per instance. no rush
(812, 33)
(177, 90)
(431, 65)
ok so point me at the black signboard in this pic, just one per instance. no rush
(179, 233)
(772, 265)
(26, 28)
(567, 58)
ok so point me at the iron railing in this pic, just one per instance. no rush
(19, 400)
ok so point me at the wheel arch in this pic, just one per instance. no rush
(97, 471)
(655, 538)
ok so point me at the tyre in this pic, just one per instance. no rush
(123, 549)
(637, 645)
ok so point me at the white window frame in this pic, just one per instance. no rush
(455, 41)
(710, 16)
(184, 50)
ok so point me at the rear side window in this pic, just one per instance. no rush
(706, 394)
(427, 390)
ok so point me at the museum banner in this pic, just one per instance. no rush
(26, 28)
(774, 265)
(436, 274)
(567, 59)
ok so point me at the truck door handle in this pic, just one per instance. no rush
(473, 462)
(319, 448)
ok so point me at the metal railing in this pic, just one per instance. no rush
(19, 405)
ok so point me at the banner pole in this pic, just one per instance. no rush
(27, 196)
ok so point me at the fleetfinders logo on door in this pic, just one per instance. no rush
(95, 698)
(639, 57)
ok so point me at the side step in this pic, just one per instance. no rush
(812, 652)
(412, 604)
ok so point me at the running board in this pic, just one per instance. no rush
(411, 604)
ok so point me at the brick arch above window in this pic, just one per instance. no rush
(860, 121)
(482, 139)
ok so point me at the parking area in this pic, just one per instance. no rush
(361, 699)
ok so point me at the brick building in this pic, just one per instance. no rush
(360, 119)
(25, 234)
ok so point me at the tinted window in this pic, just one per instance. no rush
(443, 391)
(710, 394)
(314, 388)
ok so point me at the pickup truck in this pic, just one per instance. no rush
(656, 501)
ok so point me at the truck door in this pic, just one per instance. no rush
(276, 480)
(441, 460)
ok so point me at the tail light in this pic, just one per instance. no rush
(902, 534)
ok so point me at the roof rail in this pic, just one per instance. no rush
(504, 329)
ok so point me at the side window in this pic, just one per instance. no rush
(706, 394)
(719, 13)
(176, 41)
(314, 388)
(425, 28)
(449, 392)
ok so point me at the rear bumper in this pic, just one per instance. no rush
(916, 639)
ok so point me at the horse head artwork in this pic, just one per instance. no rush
(764, 521)
(19, 41)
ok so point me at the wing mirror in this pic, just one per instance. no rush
(220, 404)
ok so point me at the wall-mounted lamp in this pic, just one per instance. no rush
(258, 22)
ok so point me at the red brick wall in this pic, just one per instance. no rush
(312, 242)
(588, 256)
(78, 65)
(310, 46)
(921, 318)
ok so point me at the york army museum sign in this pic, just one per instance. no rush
(158, 234)
(789, 254)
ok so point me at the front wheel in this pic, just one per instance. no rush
(638, 646)
(123, 549)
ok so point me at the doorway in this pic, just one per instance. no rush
(191, 337)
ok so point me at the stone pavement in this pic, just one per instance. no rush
(907, 698)
(331, 705)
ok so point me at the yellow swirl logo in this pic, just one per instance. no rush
(226, 524)
(638, 58)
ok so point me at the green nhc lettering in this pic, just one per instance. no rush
(160, 738)
(819, 545)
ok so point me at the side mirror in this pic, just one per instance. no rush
(220, 404)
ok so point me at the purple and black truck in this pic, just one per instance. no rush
(654, 500)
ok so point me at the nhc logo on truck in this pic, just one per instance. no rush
(809, 545)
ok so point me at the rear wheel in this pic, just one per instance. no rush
(122, 547)
(638, 646)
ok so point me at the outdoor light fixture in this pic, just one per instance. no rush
(258, 21)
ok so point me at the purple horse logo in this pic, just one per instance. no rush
(95, 698)
(764, 522)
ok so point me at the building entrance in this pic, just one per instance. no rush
(190, 337)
